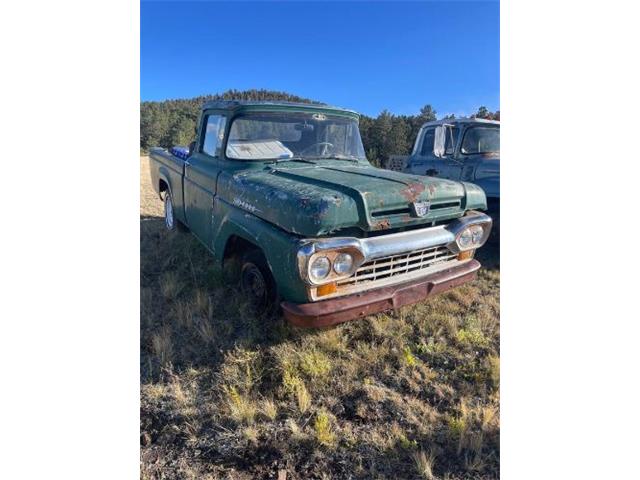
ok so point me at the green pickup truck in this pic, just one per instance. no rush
(287, 190)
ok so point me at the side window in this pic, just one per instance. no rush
(427, 142)
(214, 131)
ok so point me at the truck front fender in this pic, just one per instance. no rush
(279, 247)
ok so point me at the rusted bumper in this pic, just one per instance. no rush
(342, 309)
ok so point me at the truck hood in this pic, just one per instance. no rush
(317, 200)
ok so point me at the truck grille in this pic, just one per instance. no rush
(387, 267)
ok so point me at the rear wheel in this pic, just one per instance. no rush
(257, 283)
(170, 221)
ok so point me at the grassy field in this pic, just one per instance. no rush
(411, 394)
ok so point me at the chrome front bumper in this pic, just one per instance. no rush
(402, 242)
(391, 259)
(336, 310)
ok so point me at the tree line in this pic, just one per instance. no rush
(173, 122)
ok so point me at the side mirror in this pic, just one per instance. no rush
(439, 141)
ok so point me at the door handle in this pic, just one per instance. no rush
(432, 172)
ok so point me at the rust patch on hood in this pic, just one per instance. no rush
(412, 191)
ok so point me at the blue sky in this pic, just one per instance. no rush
(367, 56)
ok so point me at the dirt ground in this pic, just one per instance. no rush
(225, 394)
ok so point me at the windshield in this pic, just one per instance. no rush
(481, 140)
(273, 136)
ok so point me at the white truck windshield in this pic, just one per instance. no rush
(267, 136)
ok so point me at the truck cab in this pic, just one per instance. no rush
(464, 149)
(318, 231)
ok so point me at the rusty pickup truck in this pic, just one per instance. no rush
(287, 190)
(465, 149)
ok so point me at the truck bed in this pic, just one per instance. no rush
(167, 166)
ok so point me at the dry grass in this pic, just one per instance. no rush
(409, 394)
(241, 408)
(424, 464)
(323, 429)
(269, 409)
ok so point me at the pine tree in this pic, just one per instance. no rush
(380, 134)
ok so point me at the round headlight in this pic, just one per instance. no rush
(343, 263)
(466, 238)
(320, 268)
(476, 234)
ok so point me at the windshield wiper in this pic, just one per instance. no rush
(293, 159)
(347, 158)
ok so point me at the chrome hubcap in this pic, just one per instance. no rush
(168, 212)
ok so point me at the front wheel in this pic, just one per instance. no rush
(256, 282)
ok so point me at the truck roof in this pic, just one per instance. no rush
(461, 120)
(241, 104)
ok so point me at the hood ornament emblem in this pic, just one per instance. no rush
(420, 209)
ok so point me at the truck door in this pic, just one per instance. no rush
(200, 175)
(479, 144)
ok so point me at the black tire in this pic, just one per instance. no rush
(257, 283)
(170, 221)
